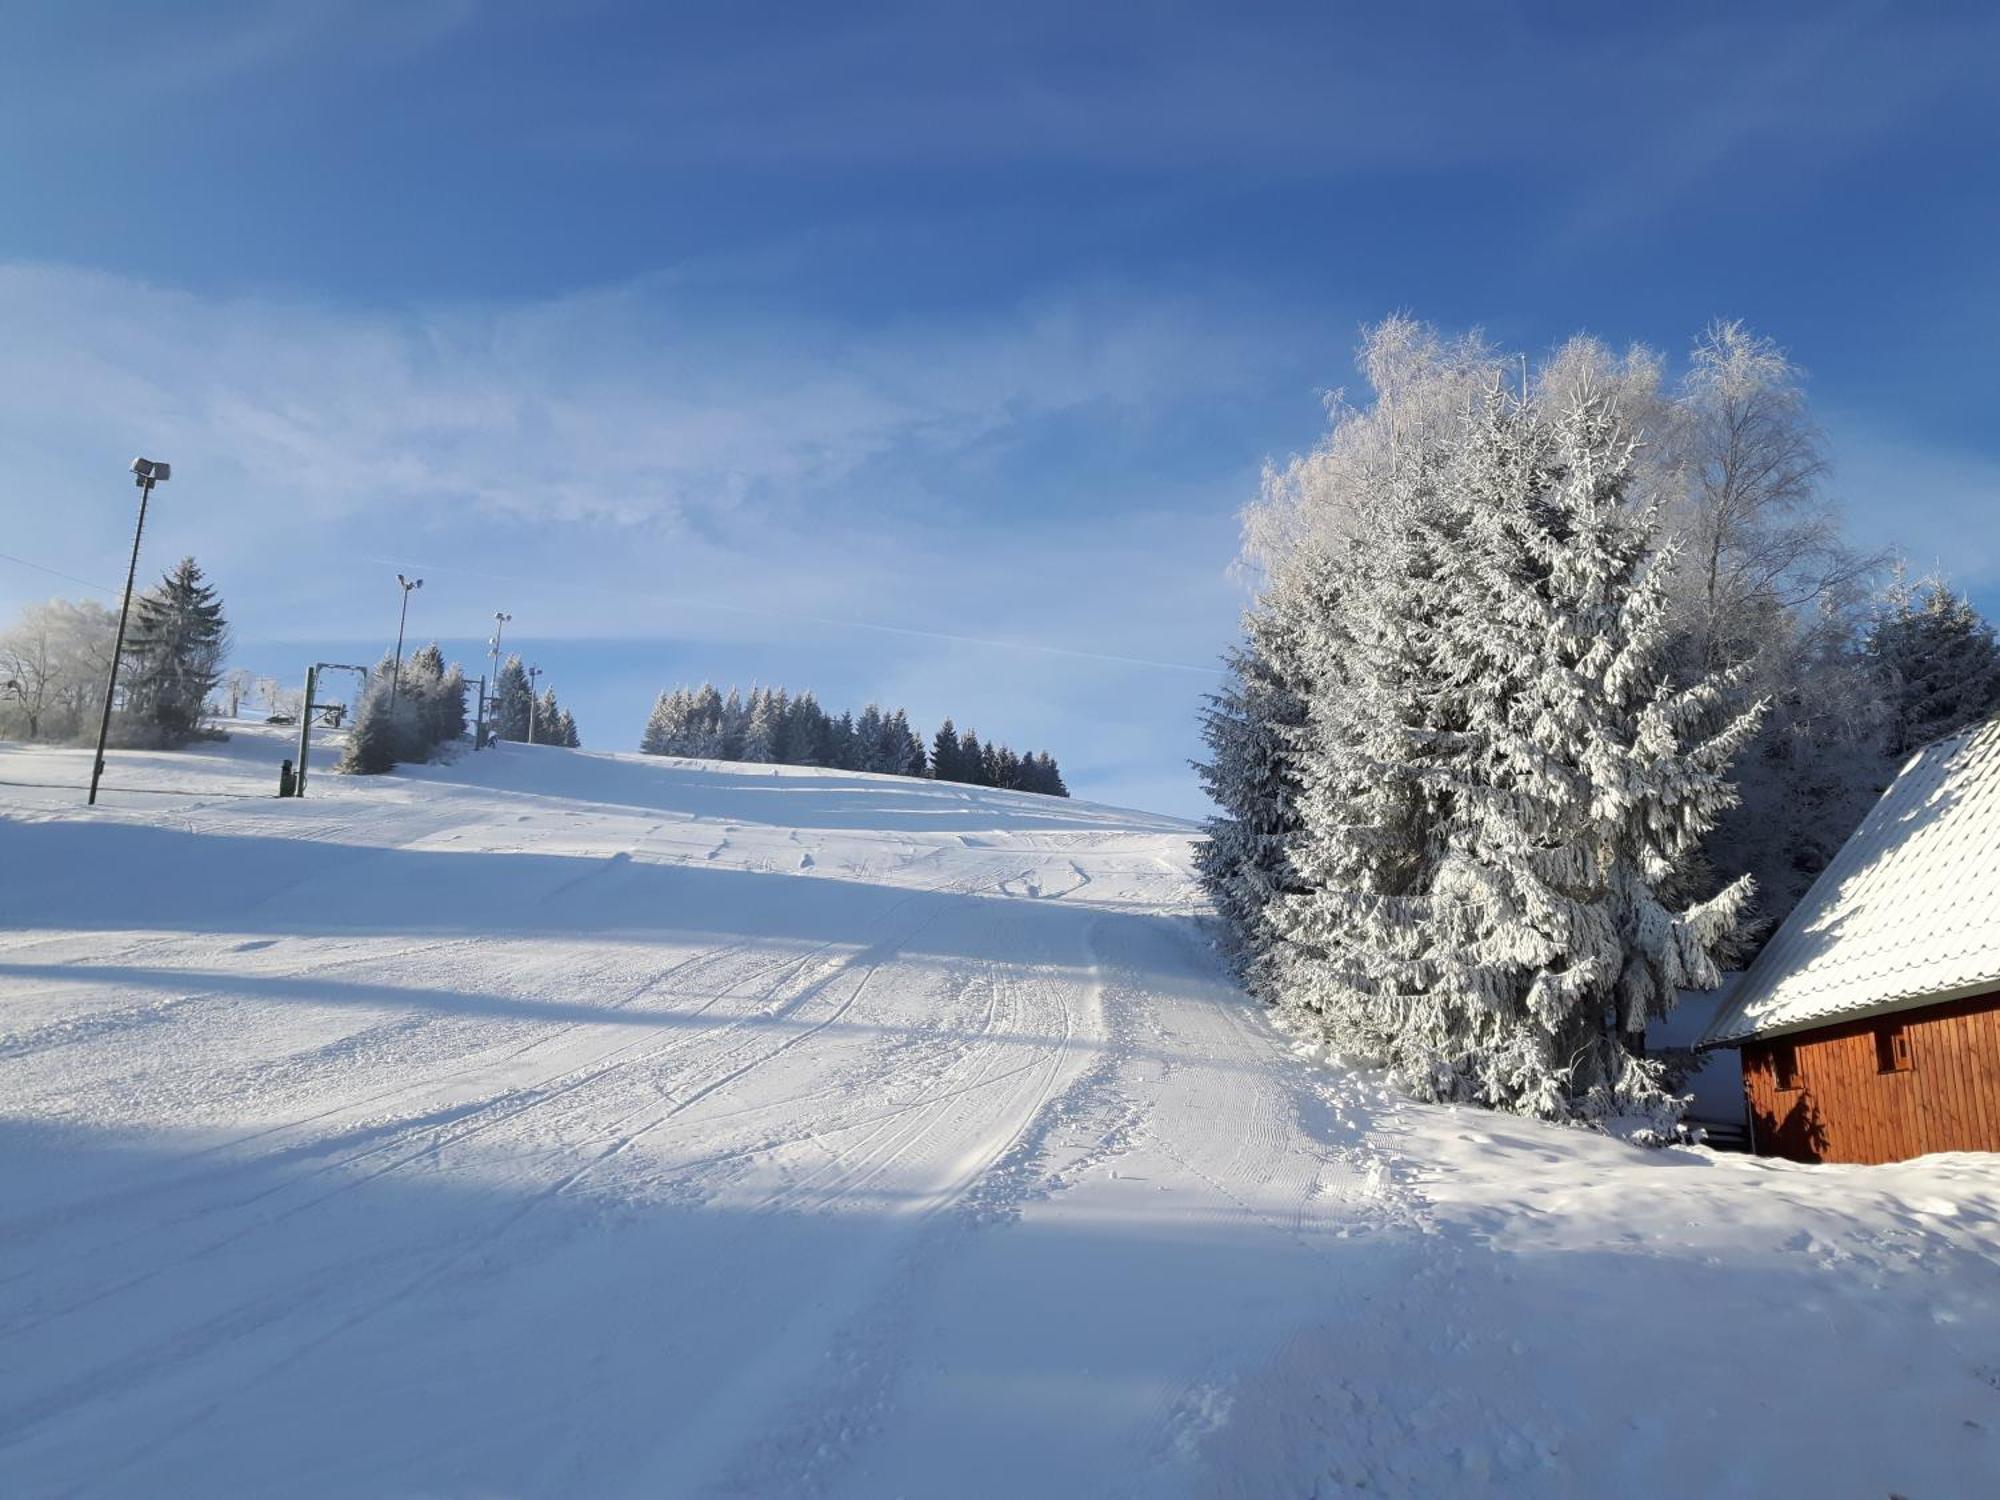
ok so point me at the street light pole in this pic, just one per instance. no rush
(533, 673)
(396, 681)
(500, 619)
(147, 473)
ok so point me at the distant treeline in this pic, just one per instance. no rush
(771, 727)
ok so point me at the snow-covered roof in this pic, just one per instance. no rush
(1907, 914)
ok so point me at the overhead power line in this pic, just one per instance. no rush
(55, 573)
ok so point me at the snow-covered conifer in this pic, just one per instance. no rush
(806, 731)
(512, 700)
(666, 726)
(760, 732)
(548, 718)
(868, 739)
(944, 752)
(1937, 661)
(1500, 785)
(177, 643)
(734, 720)
(1250, 726)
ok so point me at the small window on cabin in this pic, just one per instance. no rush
(1785, 1063)
(1892, 1047)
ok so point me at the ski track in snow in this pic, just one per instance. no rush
(557, 1123)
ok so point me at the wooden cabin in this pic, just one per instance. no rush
(1870, 1023)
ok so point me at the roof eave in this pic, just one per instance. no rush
(1986, 986)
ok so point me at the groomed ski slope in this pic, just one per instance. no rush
(565, 1124)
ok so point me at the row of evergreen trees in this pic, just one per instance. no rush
(961, 757)
(410, 716)
(771, 727)
(519, 715)
(406, 716)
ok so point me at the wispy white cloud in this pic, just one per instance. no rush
(650, 454)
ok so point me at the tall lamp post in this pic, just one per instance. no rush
(500, 619)
(147, 473)
(409, 584)
(533, 673)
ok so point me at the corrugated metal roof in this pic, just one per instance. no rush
(1908, 913)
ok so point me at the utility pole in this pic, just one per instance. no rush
(533, 673)
(397, 680)
(147, 473)
(306, 714)
(500, 619)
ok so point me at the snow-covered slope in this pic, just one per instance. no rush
(562, 1124)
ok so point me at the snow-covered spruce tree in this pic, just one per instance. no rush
(781, 726)
(512, 701)
(548, 718)
(1325, 516)
(567, 729)
(1347, 937)
(1500, 784)
(1250, 726)
(868, 739)
(372, 737)
(1593, 776)
(177, 642)
(806, 731)
(843, 744)
(1051, 777)
(387, 728)
(664, 723)
(944, 752)
(760, 734)
(734, 719)
(449, 718)
(423, 683)
(903, 751)
(704, 737)
(1937, 661)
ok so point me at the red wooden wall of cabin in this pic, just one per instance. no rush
(1846, 1107)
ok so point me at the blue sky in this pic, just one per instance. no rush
(924, 353)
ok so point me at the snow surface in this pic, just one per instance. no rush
(559, 1124)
